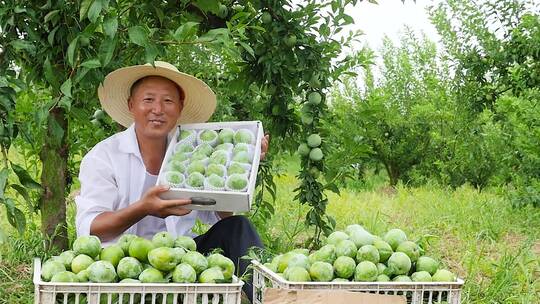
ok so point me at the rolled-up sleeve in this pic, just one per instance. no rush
(99, 192)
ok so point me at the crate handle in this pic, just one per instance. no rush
(202, 201)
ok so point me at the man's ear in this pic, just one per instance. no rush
(130, 103)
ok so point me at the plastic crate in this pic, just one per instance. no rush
(415, 293)
(135, 293)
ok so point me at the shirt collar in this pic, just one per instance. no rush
(129, 143)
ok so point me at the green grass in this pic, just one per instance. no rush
(476, 234)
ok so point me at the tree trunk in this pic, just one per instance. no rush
(53, 179)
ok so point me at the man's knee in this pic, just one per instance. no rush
(238, 221)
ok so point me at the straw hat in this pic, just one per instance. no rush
(199, 102)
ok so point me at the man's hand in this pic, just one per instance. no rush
(156, 206)
(264, 145)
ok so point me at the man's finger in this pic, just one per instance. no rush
(179, 211)
(176, 203)
(158, 189)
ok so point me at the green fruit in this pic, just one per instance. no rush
(125, 240)
(421, 276)
(383, 278)
(410, 249)
(151, 275)
(283, 261)
(297, 274)
(314, 140)
(66, 257)
(394, 237)
(340, 280)
(303, 149)
(336, 236)
(99, 114)
(113, 254)
(80, 263)
(326, 253)
(183, 147)
(65, 277)
(366, 271)
(208, 135)
(316, 154)
(298, 259)
(241, 147)
(101, 272)
(219, 157)
(195, 260)
(428, 264)
(224, 263)
(223, 11)
(195, 180)
(346, 248)
(129, 267)
(226, 136)
(290, 40)
(314, 171)
(303, 251)
(87, 244)
(385, 250)
(237, 182)
(368, 253)
(381, 268)
(186, 133)
(307, 119)
(401, 278)
(244, 136)
(178, 254)
(399, 263)
(443, 275)
(139, 249)
(236, 168)
(184, 273)
(266, 18)
(180, 157)
(225, 147)
(314, 81)
(163, 239)
(314, 98)
(162, 258)
(344, 267)
(354, 227)
(321, 272)
(196, 166)
(185, 242)
(361, 238)
(242, 157)
(204, 148)
(216, 181)
(82, 276)
(130, 281)
(50, 268)
(211, 275)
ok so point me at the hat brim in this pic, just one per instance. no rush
(199, 102)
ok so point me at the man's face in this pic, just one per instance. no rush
(156, 106)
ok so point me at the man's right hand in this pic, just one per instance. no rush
(158, 207)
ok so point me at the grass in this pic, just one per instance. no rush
(476, 234)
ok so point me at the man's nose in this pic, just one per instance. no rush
(157, 107)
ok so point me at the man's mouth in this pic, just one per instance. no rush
(156, 122)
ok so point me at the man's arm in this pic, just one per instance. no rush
(108, 225)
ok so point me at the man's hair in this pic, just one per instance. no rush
(139, 81)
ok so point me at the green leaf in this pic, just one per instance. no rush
(50, 37)
(16, 219)
(21, 45)
(50, 75)
(91, 63)
(186, 31)
(85, 5)
(71, 51)
(138, 35)
(106, 51)
(57, 132)
(110, 26)
(208, 6)
(51, 15)
(24, 193)
(150, 53)
(3, 180)
(65, 88)
(94, 11)
(247, 48)
(65, 102)
(24, 177)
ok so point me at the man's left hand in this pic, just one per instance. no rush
(264, 145)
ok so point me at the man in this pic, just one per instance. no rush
(118, 175)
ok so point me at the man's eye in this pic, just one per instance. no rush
(168, 100)
(147, 100)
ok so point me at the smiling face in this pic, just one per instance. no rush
(156, 104)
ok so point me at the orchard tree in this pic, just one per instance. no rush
(63, 50)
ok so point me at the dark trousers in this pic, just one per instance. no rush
(234, 235)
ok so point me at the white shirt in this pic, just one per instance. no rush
(112, 177)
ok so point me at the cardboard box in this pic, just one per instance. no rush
(217, 200)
